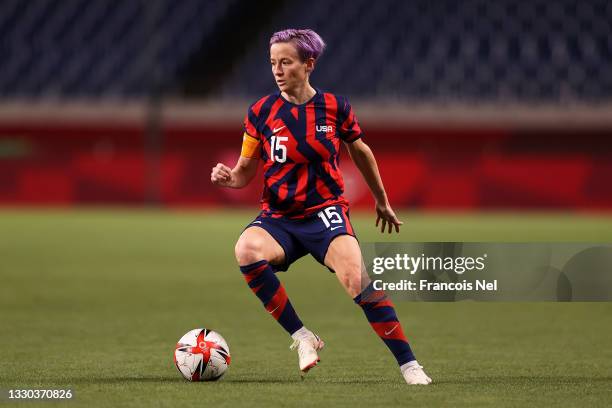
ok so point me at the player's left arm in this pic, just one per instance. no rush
(364, 159)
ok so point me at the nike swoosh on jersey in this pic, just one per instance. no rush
(391, 331)
(276, 130)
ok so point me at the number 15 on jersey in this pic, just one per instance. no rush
(277, 147)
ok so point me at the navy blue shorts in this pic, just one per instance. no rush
(310, 235)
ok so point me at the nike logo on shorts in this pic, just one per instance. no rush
(256, 222)
(276, 130)
(333, 228)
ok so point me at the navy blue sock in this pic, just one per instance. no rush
(380, 313)
(264, 283)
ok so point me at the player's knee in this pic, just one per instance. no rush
(350, 277)
(352, 268)
(248, 251)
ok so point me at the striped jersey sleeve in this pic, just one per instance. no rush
(349, 129)
(253, 118)
(250, 124)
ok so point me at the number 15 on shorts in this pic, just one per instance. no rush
(330, 216)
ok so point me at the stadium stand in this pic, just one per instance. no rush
(473, 51)
(474, 104)
(476, 50)
(80, 48)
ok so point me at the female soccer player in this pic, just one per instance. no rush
(297, 133)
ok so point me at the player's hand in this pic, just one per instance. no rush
(387, 218)
(221, 175)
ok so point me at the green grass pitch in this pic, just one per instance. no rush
(95, 301)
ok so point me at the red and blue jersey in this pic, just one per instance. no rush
(300, 147)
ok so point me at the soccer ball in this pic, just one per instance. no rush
(202, 355)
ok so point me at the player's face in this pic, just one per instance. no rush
(289, 71)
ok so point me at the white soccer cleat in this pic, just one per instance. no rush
(307, 346)
(414, 375)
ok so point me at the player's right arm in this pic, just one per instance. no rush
(238, 177)
(246, 168)
(244, 171)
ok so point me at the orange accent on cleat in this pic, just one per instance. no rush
(311, 365)
(307, 347)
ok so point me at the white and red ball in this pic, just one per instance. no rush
(202, 355)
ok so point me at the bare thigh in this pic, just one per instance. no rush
(344, 257)
(256, 244)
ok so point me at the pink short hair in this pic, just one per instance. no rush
(308, 43)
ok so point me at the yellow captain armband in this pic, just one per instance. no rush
(250, 147)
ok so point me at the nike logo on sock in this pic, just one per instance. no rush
(391, 331)
(274, 310)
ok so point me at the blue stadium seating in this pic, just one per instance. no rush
(445, 50)
(80, 48)
(537, 51)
